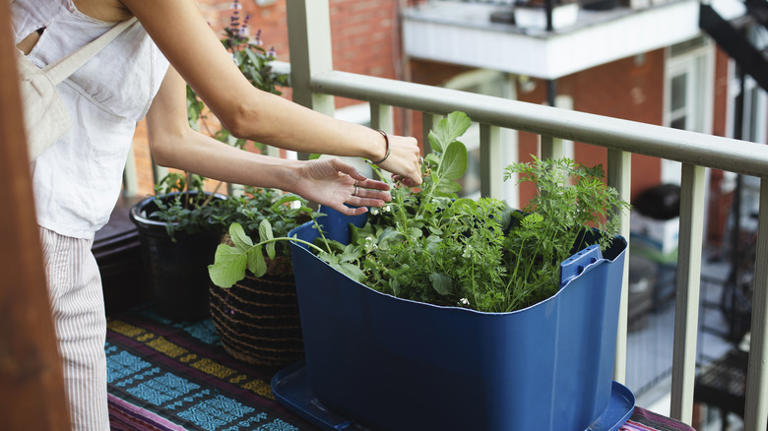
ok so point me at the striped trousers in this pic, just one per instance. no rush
(77, 305)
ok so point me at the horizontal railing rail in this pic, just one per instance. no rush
(625, 135)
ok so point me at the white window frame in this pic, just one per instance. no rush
(751, 89)
(699, 64)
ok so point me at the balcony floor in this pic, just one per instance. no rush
(174, 376)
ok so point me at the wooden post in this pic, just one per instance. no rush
(31, 384)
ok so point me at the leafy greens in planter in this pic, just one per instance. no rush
(431, 246)
(267, 214)
(434, 247)
(183, 205)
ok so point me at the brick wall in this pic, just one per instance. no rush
(627, 88)
(631, 88)
(365, 40)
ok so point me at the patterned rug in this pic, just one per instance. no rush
(167, 376)
(174, 376)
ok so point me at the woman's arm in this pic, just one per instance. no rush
(179, 30)
(329, 181)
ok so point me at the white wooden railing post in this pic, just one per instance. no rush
(309, 38)
(491, 173)
(551, 148)
(428, 121)
(692, 207)
(381, 118)
(756, 409)
(619, 176)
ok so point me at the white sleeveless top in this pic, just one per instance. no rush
(77, 180)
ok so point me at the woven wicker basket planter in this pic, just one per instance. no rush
(258, 318)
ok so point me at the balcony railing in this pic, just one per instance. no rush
(315, 84)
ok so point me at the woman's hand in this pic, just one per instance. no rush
(404, 160)
(334, 183)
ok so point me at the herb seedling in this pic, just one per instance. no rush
(262, 213)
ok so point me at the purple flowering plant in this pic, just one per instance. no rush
(252, 59)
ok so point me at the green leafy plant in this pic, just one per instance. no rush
(184, 207)
(557, 222)
(231, 261)
(261, 213)
(431, 246)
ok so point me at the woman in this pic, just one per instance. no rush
(77, 180)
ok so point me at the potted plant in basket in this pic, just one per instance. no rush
(447, 313)
(256, 314)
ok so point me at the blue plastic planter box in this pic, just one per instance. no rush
(395, 364)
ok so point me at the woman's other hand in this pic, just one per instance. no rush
(404, 159)
(334, 183)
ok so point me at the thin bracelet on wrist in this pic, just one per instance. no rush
(386, 143)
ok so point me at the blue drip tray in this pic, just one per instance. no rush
(291, 388)
(619, 410)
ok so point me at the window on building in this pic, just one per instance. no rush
(689, 71)
(755, 116)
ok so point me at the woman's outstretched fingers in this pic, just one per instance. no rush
(349, 210)
(334, 183)
(373, 184)
(380, 196)
(364, 202)
(348, 169)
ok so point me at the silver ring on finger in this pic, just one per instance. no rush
(354, 192)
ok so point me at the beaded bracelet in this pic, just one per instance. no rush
(386, 142)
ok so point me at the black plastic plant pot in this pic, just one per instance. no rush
(176, 269)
